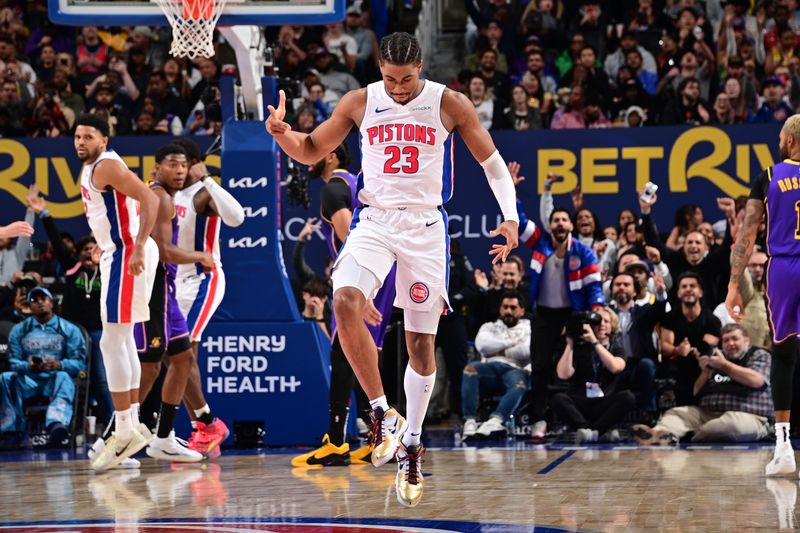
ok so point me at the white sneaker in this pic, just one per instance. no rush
(470, 427)
(126, 464)
(782, 461)
(492, 428)
(363, 428)
(539, 430)
(117, 450)
(168, 488)
(585, 435)
(169, 449)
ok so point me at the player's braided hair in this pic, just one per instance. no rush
(400, 48)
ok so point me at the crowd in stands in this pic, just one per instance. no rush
(587, 64)
(653, 334)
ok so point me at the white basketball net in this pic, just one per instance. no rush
(193, 23)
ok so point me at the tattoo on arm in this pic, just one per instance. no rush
(754, 212)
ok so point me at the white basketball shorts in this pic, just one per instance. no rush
(198, 297)
(417, 240)
(124, 298)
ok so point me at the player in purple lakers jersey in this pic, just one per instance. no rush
(776, 193)
(166, 333)
(338, 200)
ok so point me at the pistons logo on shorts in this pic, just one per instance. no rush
(419, 292)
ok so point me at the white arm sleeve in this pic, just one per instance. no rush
(502, 185)
(230, 211)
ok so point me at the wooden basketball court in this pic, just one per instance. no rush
(507, 488)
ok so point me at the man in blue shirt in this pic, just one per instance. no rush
(773, 109)
(45, 353)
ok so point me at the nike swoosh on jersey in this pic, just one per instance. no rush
(382, 110)
(429, 224)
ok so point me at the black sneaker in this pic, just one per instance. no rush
(58, 436)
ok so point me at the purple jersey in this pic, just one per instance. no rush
(384, 300)
(779, 188)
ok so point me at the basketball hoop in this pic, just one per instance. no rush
(193, 23)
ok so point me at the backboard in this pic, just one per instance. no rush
(236, 13)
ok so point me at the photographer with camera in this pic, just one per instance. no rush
(564, 278)
(687, 332)
(591, 364)
(733, 395)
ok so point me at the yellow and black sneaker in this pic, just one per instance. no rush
(363, 455)
(326, 455)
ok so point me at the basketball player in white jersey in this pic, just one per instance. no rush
(121, 212)
(200, 205)
(406, 146)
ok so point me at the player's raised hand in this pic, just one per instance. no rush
(275, 124)
(510, 230)
(734, 303)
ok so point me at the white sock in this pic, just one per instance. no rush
(381, 402)
(418, 395)
(135, 414)
(123, 422)
(782, 434)
(203, 410)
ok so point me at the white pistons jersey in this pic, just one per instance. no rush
(114, 220)
(195, 232)
(406, 152)
(112, 216)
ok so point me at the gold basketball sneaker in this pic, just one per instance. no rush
(409, 483)
(387, 430)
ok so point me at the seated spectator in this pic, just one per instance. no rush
(591, 364)
(538, 98)
(570, 56)
(316, 98)
(733, 396)
(497, 83)
(334, 80)
(618, 58)
(593, 114)
(637, 322)
(595, 81)
(305, 120)
(45, 65)
(342, 45)
(570, 116)
(686, 107)
(368, 52)
(119, 122)
(722, 112)
(521, 116)
(773, 109)
(482, 100)
(535, 66)
(687, 332)
(46, 353)
(92, 55)
(504, 346)
(484, 43)
(648, 79)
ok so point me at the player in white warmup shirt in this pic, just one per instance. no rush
(406, 126)
(201, 205)
(121, 211)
